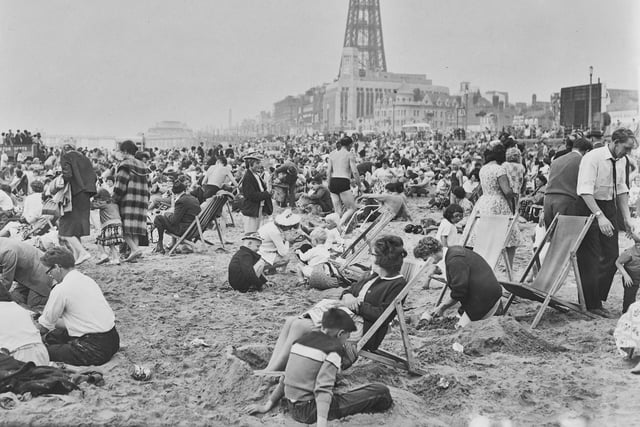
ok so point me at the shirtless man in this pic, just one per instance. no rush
(341, 167)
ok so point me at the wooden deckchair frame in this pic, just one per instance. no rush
(512, 222)
(465, 239)
(209, 214)
(362, 242)
(548, 298)
(408, 362)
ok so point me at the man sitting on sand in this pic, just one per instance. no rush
(310, 376)
(246, 266)
(20, 262)
(88, 334)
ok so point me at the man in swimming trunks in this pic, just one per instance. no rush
(341, 167)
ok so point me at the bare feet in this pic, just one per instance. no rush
(134, 256)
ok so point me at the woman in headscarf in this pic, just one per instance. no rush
(77, 171)
(131, 193)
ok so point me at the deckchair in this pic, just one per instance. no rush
(347, 259)
(563, 237)
(210, 213)
(492, 233)
(412, 271)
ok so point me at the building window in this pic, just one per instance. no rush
(344, 104)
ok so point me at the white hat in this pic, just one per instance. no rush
(288, 219)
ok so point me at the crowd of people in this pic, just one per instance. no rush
(298, 201)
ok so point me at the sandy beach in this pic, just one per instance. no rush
(565, 372)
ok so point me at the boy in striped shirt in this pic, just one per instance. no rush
(310, 376)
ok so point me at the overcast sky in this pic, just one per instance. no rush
(118, 67)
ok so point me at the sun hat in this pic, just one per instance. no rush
(288, 219)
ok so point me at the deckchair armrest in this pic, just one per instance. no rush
(508, 282)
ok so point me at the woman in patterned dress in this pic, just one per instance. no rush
(497, 194)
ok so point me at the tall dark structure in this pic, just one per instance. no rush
(364, 32)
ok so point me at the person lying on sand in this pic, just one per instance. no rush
(366, 300)
(89, 335)
(19, 337)
(310, 376)
(471, 280)
(246, 265)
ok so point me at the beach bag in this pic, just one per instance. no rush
(51, 207)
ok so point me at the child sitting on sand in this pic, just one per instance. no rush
(628, 264)
(111, 235)
(627, 334)
(313, 271)
(246, 265)
(310, 376)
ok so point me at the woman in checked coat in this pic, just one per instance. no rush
(131, 193)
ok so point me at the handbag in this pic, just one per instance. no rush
(51, 207)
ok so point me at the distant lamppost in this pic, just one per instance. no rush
(590, 81)
(466, 110)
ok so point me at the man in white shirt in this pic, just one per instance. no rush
(89, 336)
(602, 187)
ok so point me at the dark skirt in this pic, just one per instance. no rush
(76, 223)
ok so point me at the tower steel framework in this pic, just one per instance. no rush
(364, 31)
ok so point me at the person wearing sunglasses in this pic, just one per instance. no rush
(89, 336)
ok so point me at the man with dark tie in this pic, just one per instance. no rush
(602, 187)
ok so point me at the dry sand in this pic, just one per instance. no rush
(565, 371)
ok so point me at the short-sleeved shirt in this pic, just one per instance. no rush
(630, 258)
(446, 228)
(595, 175)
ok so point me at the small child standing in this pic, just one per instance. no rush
(111, 235)
(628, 264)
(315, 259)
(447, 232)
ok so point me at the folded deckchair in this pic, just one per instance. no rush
(361, 244)
(412, 271)
(492, 233)
(210, 213)
(563, 238)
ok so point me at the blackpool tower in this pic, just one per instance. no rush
(364, 32)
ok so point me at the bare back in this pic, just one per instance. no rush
(340, 161)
